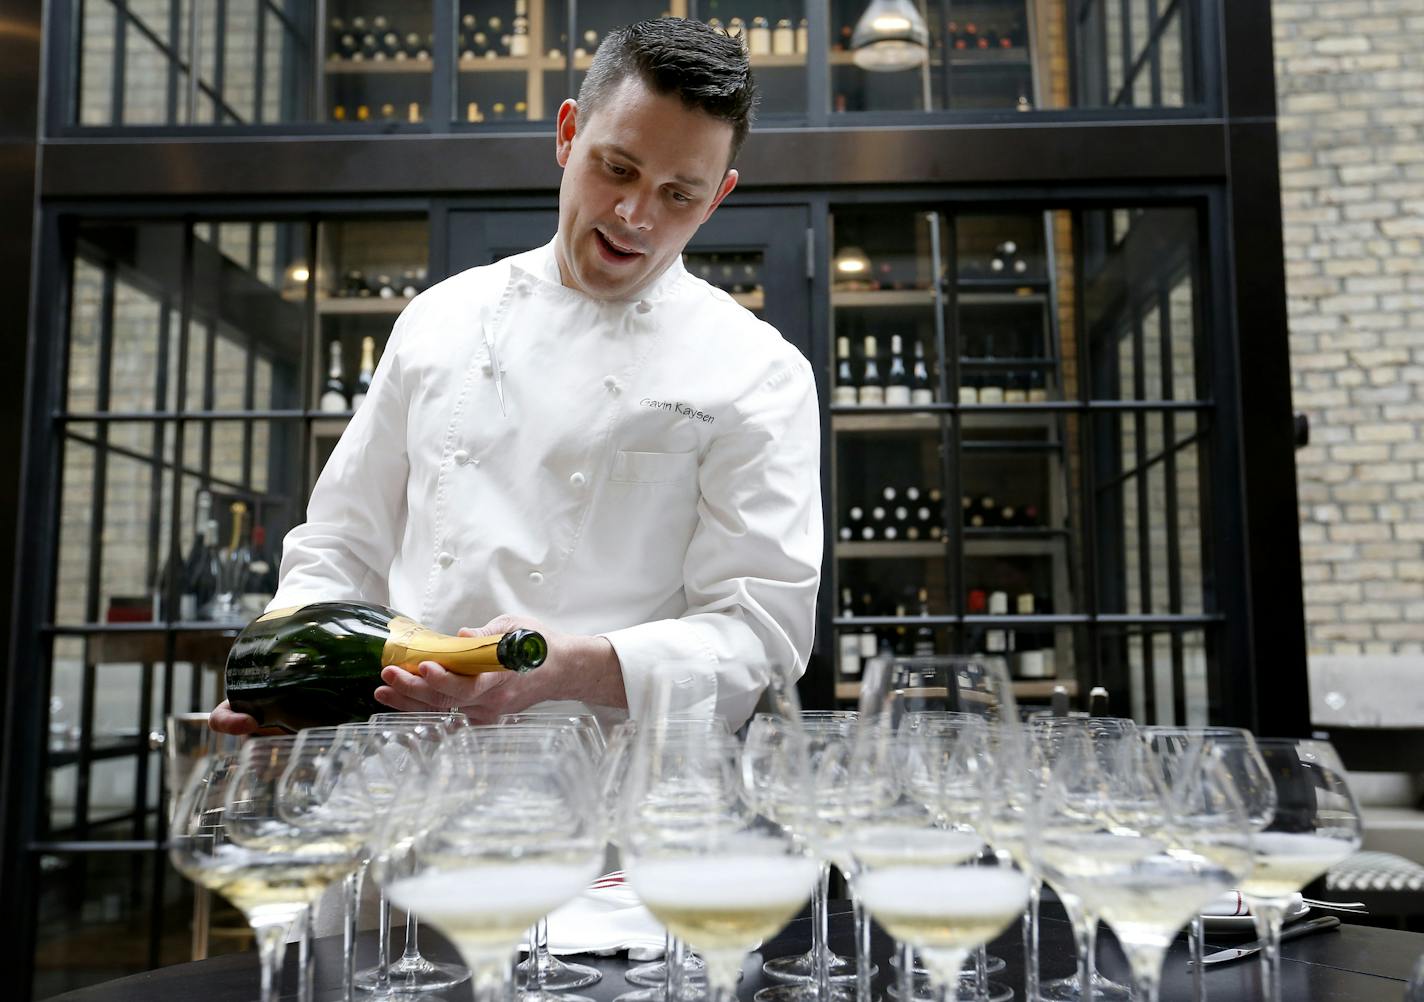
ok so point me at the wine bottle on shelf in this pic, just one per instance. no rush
(998, 640)
(394, 48)
(1029, 659)
(845, 392)
(232, 567)
(991, 385)
(167, 584)
(976, 603)
(897, 380)
(203, 571)
(319, 664)
(1016, 387)
(966, 511)
(259, 584)
(783, 38)
(759, 37)
(869, 639)
(988, 511)
(888, 494)
(848, 642)
(877, 523)
(803, 36)
(371, 47)
(902, 642)
(333, 393)
(519, 39)
(410, 283)
(380, 23)
(925, 633)
(385, 288)
(415, 47)
(855, 522)
(1028, 516)
(872, 389)
(368, 369)
(968, 385)
(921, 389)
(1037, 390)
(1098, 702)
(1008, 517)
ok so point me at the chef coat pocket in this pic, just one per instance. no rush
(653, 468)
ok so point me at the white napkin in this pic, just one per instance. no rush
(1232, 903)
(605, 918)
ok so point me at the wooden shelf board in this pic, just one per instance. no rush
(380, 67)
(360, 306)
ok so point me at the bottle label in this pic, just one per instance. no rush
(869, 645)
(921, 397)
(897, 396)
(845, 395)
(874, 395)
(968, 395)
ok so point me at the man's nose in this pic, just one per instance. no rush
(635, 209)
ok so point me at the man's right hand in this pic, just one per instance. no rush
(225, 720)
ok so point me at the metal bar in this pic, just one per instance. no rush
(127, 453)
(64, 847)
(1160, 621)
(259, 72)
(1151, 54)
(1124, 95)
(1144, 501)
(164, 603)
(118, 70)
(944, 261)
(1174, 556)
(175, 26)
(91, 417)
(220, 58)
(311, 347)
(1091, 649)
(1119, 479)
(195, 69)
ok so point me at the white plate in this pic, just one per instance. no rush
(1245, 924)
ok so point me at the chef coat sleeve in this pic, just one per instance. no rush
(357, 512)
(753, 566)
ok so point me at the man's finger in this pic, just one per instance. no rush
(225, 720)
(387, 696)
(417, 688)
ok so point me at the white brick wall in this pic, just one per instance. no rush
(1350, 82)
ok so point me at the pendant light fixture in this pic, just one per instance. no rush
(890, 36)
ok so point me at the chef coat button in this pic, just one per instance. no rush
(644, 306)
(486, 367)
(535, 577)
(610, 383)
(445, 559)
(460, 456)
(578, 479)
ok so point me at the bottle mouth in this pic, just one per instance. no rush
(531, 649)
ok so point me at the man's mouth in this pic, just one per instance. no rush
(614, 249)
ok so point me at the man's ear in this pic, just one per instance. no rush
(728, 183)
(564, 129)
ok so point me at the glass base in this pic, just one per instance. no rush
(559, 976)
(691, 992)
(654, 975)
(998, 991)
(805, 991)
(1068, 990)
(801, 968)
(411, 975)
(995, 965)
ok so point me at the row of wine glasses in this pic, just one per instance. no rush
(942, 806)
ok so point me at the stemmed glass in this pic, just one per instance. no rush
(1316, 825)
(719, 875)
(894, 689)
(543, 973)
(406, 743)
(509, 830)
(656, 978)
(1234, 751)
(1202, 837)
(917, 875)
(828, 737)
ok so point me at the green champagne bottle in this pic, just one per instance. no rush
(319, 664)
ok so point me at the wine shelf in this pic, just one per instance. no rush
(361, 306)
(974, 546)
(972, 417)
(377, 67)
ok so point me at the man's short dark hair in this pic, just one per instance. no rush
(704, 67)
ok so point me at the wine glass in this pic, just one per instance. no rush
(1234, 751)
(718, 874)
(917, 874)
(509, 830)
(825, 738)
(656, 978)
(542, 972)
(405, 744)
(1202, 834)
(1316, 825)
(893, 689)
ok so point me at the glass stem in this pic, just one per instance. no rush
(907, 972)
(542, 960)
(1198, 935)
(1269, 917)
(674, 956)
(412, 939)
(820, 916)
(383, 948)
(981, 974)
(271, 949)
(722, 970)
(862, 950)
(1030, 932)
(306, 970)
(352, 888)
(1146, 964)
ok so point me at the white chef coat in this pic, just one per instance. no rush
(655, 480)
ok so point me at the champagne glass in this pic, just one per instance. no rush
(1316, 825)
(406, 743)
(542, 972)
(508, 831)
(827, 741)
(897, 688)
(1234, 751)
(917, 875)
(719, 875)
(1203, 837)
(655, 977)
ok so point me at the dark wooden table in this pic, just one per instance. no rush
(1353, 963)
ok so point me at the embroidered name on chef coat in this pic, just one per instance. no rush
(678, 407)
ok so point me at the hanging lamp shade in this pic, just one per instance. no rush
(890, 36)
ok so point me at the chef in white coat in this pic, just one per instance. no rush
(585, 439)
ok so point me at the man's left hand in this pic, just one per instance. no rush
(572, 665)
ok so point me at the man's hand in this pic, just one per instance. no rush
(577, 667)
(225, 720)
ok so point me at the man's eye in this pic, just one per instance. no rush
(680, 198)
(615, 169)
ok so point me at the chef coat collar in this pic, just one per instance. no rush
(542, 264)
